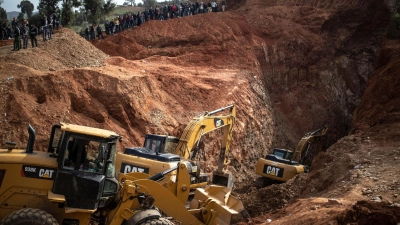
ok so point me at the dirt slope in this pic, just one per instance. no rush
(289, 66)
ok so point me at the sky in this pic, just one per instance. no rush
(11, 5)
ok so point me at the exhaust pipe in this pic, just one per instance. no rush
(31, 140)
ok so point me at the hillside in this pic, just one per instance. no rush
(289, 67)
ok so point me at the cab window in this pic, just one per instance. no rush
(83, 155)
(152, 145)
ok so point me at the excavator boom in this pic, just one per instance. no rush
(305, 142)
(162, 151)
(204, 124)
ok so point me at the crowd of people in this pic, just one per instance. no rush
(166, 12)
(21, 31)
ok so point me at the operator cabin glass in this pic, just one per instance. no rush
(152, 145)
(111, 168)
(279, 154)
(83, 155)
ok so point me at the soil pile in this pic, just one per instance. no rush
(289, 67)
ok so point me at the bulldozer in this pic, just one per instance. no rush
(74, 183)
(282, 164)
(160, 152)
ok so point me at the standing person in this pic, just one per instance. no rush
(34, 32)
(54, 17)
(50, 26)
(107, 27)
(201, 7)
(44, 28)
(99, 33)
(14, 22)
(151, 13)
(25, 33)
(116, 25)
(223, 6)
(92, 36)
(4, 31)
(87, 33)
(17, 41)
(112, 25)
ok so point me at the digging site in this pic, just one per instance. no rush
(289, 67)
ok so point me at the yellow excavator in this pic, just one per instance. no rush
(284, 164)
(161, 152)
(74, 183)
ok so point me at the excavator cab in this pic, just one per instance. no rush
(160, 143)
(283, 153)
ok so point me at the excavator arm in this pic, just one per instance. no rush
(203, 124)
(188, 144)
(305, 142)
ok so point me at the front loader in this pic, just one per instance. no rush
(74, 183)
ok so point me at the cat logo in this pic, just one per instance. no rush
(46, 173)
(128, 168)
(38, 172)
(218, 122)
(273, 171)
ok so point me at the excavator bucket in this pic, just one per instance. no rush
(220, 205)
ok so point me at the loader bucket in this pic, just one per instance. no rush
(223, 179)
(217, 199)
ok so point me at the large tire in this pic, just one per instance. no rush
(29, 216)
(151, 221)
(159, 221)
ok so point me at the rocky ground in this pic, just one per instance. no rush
(290, 67)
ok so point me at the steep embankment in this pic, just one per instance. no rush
(289, 66)
(131, 97)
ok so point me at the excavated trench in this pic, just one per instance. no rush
(290, 67)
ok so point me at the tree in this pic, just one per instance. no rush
(47, 7)
(98, 8)
(26, 7)
(36, 19)
(132, 2)
(67, 14)
(149, 3)
(1, 1)
(20, 16)
(3, 15)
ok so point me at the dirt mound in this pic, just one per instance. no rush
(370, 213)
(201, 40)
(271, 197)
(288, 66)
(66, 50)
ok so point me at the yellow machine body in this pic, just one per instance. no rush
(284, 164)
(210, 205)
(27, 179)
(277, 171)
(161, 152)
(129, 163)
(65, 191)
